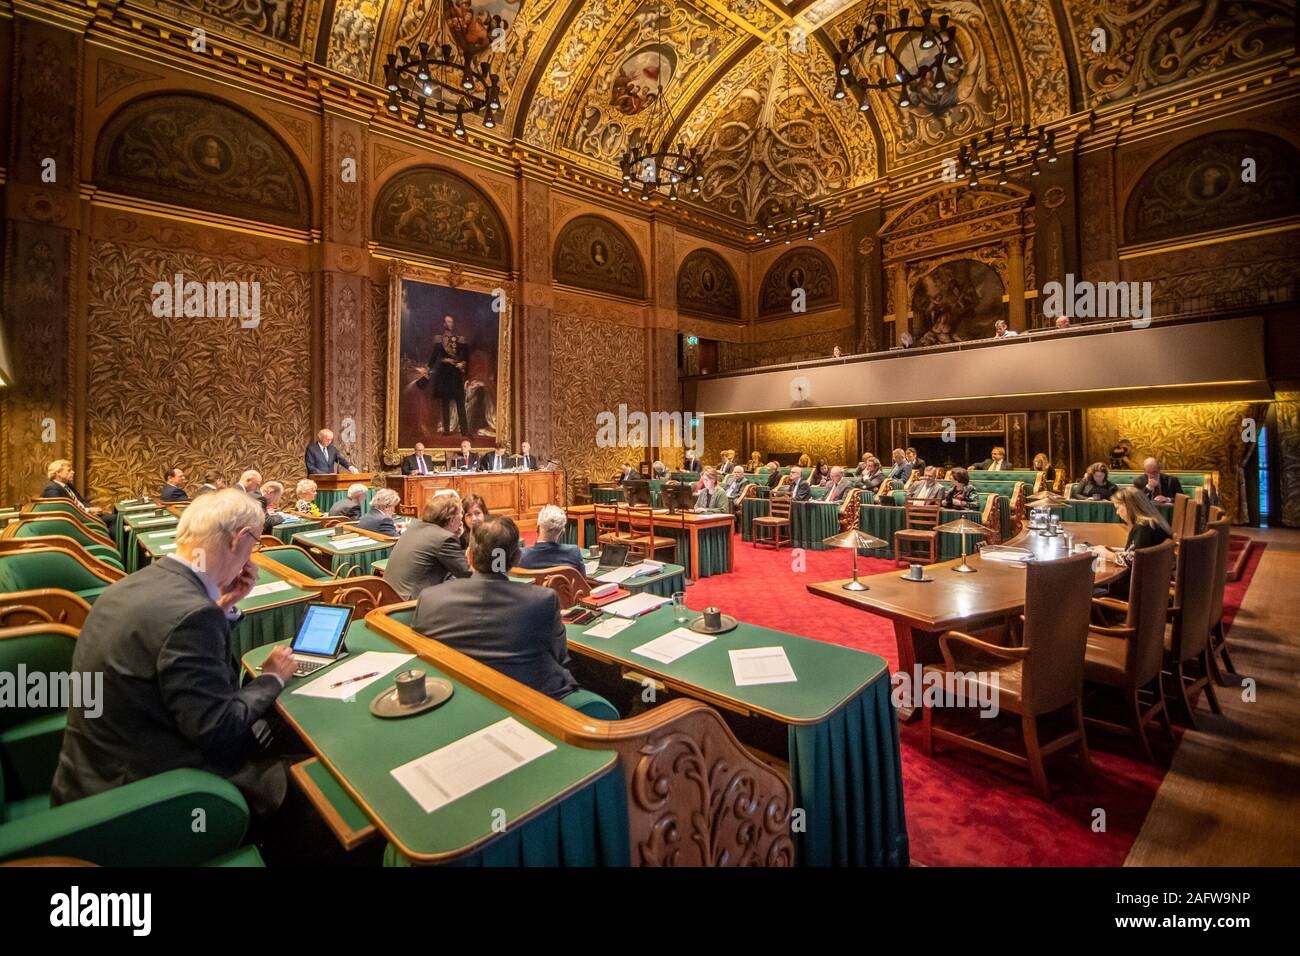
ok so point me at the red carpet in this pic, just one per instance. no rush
(962, 809)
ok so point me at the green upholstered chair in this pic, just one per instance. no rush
(30, 736)
(297, 559)
(56, 525)
(60, 505)
(592, 704)
(52, 568)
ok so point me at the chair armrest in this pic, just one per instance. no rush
(1128, 633)
(152, 822)
(997, 650)
(1114, 604)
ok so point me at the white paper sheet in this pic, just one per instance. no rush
(166, 547)
(269, 588)
(350, 542)
(450, 772)
(608, 627)
(317, 534)
(678, 642)
(998, 553)
(152, 522)
(376, 663)
(619, 575)
(590, 566)
(761, 665)
(635, 605)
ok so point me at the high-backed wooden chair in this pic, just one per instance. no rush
(1218, 637)
(850, 508)
(565, 581)
(773, 528)
(91, 559)
(42, 606)
(609, 528)
(918, 534)
(1040, 676)
(642, 538)
(1187, 639)
(1129, 656)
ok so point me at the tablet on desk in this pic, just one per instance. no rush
(319, 641)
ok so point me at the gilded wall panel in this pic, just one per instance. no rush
(724, 434)
(707, 286)
(827, 440)
(593, 253)
(434, 212)
(377, 324)
(196, 392)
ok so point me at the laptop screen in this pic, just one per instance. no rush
(322, 629)
(613, 555)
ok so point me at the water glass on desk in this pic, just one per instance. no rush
(680, 611)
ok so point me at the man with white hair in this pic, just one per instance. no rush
(60, 475)
(735, 482)
(250, 483)
(322, 456)
(171, 700)
(350, 507)
(549, 551)
(838, 486)
(380, 516)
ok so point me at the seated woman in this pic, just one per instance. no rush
(1041, 463)
(961, 494)
(805, 461)
(773, 474)
(1147, 527)
(755, 462)
(821, 473)
(475, 510)
(304, 499)
(1096, 484)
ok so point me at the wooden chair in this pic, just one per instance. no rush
(1043, 675)
(609, 528)
(363, 592)
(1187, 638)
(642, 538)
(1218, 637)
(774, 527)
(850, 508)
(566, 582)
(99, 557)
(1129, 657)
(920, 520)
(42, 606)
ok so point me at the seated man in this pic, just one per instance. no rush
(418, 463)
(1002, 331)
(526, 459)
(773, 474)
(173, 488)
(60, 476)
(735, 483)
(272, 492)
(511, 626)
(902, 469)
(1155, 485)
(497, 461)
(549, 551)
(380, 516)
(626, 473)
(797, 489)
(250, 483)
(918, 464)
(466, 459)
(838, 486)
(161, 638)
(659, 470)
(692, 461)
(350, 507)
(872, 476)
(927, 487)
(728, 462)
(997, 461)
(429, 552)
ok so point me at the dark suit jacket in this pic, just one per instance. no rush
(918, 465)
(426, 554)
(527, 461)
(410, 464)
(170, 697)
(901, 472)
(460, 461)
(55, 490)
(508, 625)
(1139, 536)
(987, 463)
(324, 462)
(1086, 489)
(692, 464)
(376, 520)
(345, 508)
(172, 493)
(486, 463)
(873, 482)
(1169, 486)
(800, 493)
(552, 554)
(836, 492)
(774, 479)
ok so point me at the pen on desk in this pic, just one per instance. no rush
(353, 680)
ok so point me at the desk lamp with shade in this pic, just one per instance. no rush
(963, 526)
(855, 539)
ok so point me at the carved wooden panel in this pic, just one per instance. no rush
(1018, 452)
(707, 286)
(963, 425)
(1287, 409)
(1060, 446)
(194, 151)
(593, 253)
(434, 212)
(867, 438)
(808, 269)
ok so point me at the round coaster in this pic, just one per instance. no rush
(923, 580)
(729, 623)
(436, 690)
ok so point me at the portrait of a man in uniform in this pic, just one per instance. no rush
(447, 369)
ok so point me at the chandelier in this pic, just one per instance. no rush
(653, 161)
(449, 77)
(996, 157)
(791, 219)
(928, 43)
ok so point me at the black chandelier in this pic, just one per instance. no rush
(447, 78)
(790, 220)
(932, 36)
(674, 168)
(996, 158)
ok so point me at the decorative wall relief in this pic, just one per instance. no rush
(956, 302)
(261, 23)
(808, 269)
(1198, 186)
(593, 253)
(706, 286)
(196, 152)
(434, 212)
(352, 37)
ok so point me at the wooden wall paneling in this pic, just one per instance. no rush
(1018, 450)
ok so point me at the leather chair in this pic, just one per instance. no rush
(1218, 637)
(1187, 637)
(97, 558)
(51, 567)
(1129, 656)
(920, 522)
(1041, 675)
(773, 528)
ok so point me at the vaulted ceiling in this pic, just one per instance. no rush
(578, 76)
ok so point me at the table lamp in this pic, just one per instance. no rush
(855, 539)
(963, 526)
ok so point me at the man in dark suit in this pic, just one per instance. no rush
(549, 551)
(626, 473)
(465, 459)
(509, 625)
(60, 476)
(350, 507)
(872, 476)
(1156, 485)
(429, 551)
(797, 488)
(497, 461)
(692, 462)
(380, 516)
(901, 470)
(837, 486)
(250, 483)
(418, 463)
(161, 640)
(322, 456)
(173, 488)
(918, 464)
(997, 461)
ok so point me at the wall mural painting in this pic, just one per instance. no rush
(444, 345)
(196, 152)
(437, 213)
(1198, 186)
(707, 287)
(593, 253)
(956, 302)
(805, 269)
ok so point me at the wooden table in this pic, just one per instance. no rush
(923, 611)
(582, 516)
(518, 495)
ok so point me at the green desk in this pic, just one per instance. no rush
(664, 583)
(883, 520)
(703, 546)
(1098, 511)
(327, 499)
(136, 524)
(840, 728)
(156, 544)
(285, 530)
(566, 808)
(269, 618)
(362, 557)
(811, 522)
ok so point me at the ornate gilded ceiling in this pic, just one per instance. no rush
(581, 77)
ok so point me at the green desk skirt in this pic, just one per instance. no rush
(846, 773)
(715, 548)
(132, 556)
(327, 499)
(286, 530)
(1100, 511)
(570, 535)
(883, 521)
(363, 561)
(665, 583)
(587, 828)
(810, 524)
(606, 496)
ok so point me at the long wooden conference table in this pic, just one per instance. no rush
(705, 537)
(921, 611)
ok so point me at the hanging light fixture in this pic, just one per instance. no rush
(655, 162)
(884, 37)
(1017, 148)
(447, 78)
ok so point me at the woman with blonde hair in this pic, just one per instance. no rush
(755, 462)
(304, 495)
(1147, 527)
(805, 461)
(1043, 463)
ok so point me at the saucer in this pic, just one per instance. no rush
(436, 690)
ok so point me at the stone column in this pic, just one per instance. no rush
(533, 315)
(1016, 283)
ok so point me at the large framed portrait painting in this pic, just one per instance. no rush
(447, 367)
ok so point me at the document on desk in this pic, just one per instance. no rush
(677, 643)
(369, 667)
(451, 772)
(619, 575)
(761, 665)
(1003, 553)
(269, 588)
(608, 628)
(348, 542)
(636, 605)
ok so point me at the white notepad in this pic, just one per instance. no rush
(269, 588)
(636, 605)
(619, 575)
(375, 663)
(609, 627)
(761, 665)
(152, 521)
(450, 772)
(677, 643)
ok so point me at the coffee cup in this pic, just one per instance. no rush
(410, 688)
(915, 572)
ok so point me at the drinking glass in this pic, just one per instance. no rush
(679, 606)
